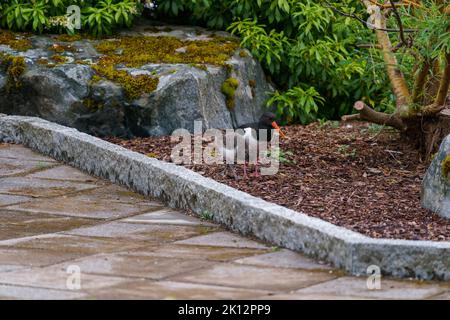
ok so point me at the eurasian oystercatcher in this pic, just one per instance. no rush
(249, 136)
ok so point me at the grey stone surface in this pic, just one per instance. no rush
(12, 151)
(436, 187)
(183, 189)
(191, 252)
(9, 200)
(250, 277)
(9, 167)
(82, 206)
(167, 216)
(147, 267)
(40, 188)
(283, 259)
(185, 93)
(34, 257)
(140, 233)
(353, 287)
(171, 290)
(21, 224)
(9, 292)
(223, 239)
(63, 173)
(55, 277)
(73, 244)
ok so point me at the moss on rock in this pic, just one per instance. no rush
(138, 51)
(59, 59)
(15, 67)
(229, 88)
(18, 42)
(135, 52)
(133, 86)
(446, 168)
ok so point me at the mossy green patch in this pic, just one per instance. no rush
(133, 86)
(446, 168)
(252, 84)
(135, 52)
(69, 37)
(229, 90)
(243, 54)
(16, 41)
(138, 51)
(59, 59)
(61, 48)
(15, 66)
(92, 104)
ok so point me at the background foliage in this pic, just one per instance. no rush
(309, 51)
(97, 17)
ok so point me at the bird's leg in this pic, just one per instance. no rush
(245, 170)
(257, 174)
(233, 172)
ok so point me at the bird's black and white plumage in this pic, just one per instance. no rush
(249, 137)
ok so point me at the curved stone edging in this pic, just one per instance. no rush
(183, 189)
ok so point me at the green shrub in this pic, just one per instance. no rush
(97, 17)
(301, 44)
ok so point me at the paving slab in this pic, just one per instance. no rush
(9, 167)
(351, 287)
(117, 194)
(9, 268)
(14, 151)
(56, 277)
(158, 234)
(283, 259)
(84, 206)
(22, 224)
(224, 239)
(28, 293)
(442, 296)
(167, 216)
(139, 266)
(65, 173)
(251, 277)
(198, 252)
(6, 200)
(34, 257)
(170, 290)
(40, 187)
(73, 244)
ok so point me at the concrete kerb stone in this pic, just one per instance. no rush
(181, 188)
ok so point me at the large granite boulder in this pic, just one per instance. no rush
(64, 83)
(436, 185)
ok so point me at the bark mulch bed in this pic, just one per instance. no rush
(352, 175)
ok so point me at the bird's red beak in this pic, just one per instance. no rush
(276, 127)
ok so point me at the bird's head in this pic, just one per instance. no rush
(270, 120)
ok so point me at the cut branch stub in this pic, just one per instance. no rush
(368, 114)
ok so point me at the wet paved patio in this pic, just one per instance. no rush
(56, 221)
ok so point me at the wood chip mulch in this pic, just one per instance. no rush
(352, 175)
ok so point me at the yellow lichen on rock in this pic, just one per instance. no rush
(133, 86)
(17, 42)
(59, 59)
(134, 52)
(15, 67)
(446, 168)
(138, 51)
(229, 90)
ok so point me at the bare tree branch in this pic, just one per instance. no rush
(365, 23)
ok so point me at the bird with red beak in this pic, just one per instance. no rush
(252, 134)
